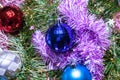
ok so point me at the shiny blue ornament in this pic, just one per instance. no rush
(76, 72)
(59, 37)
(3, 78)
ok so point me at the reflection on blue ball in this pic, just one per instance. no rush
(3, 78)
(59, 37)
(77, 72)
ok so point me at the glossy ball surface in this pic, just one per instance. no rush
(10, 64)
(3, 78)
(11, 18)
(59, 37)
(78, 72)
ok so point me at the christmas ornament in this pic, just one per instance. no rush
(59, 37)
(3, 78)
(11, 18)
(76, 72)
(10, 64)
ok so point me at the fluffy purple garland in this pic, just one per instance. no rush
(117, 20)
(91, 37)
(13, 2)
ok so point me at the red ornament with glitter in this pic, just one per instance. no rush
(11, 19)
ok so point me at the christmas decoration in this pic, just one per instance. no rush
(59, 37)
(91, 39)
(110, 22)
(32, 27)
(116, 18)
(3, 78)
(76, 72)
(11, 19)
(119, 2)
(10, 63)
(14, 2)
(92, 35)
(3, 41)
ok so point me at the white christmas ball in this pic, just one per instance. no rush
(10, 63)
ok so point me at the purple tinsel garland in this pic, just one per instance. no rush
(116, 18)
(91, 37)
(13, 2)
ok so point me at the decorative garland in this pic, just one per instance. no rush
(91, 39)
(75, 44)
(12, 2)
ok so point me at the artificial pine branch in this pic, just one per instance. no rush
(103, 8)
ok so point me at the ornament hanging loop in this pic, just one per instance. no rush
(59, 21)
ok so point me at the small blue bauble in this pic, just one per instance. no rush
(3, 78)
(59, 37)
(76, 72)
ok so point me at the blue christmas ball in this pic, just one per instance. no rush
(59, 37)
(76, 72)
(3, 78)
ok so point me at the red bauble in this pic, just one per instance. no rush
(11, 19)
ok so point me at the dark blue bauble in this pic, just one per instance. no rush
(77, 72)
(59, 37)
(3, 78)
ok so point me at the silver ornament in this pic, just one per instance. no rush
(10, 63)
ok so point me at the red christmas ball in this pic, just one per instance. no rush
(11, 19)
